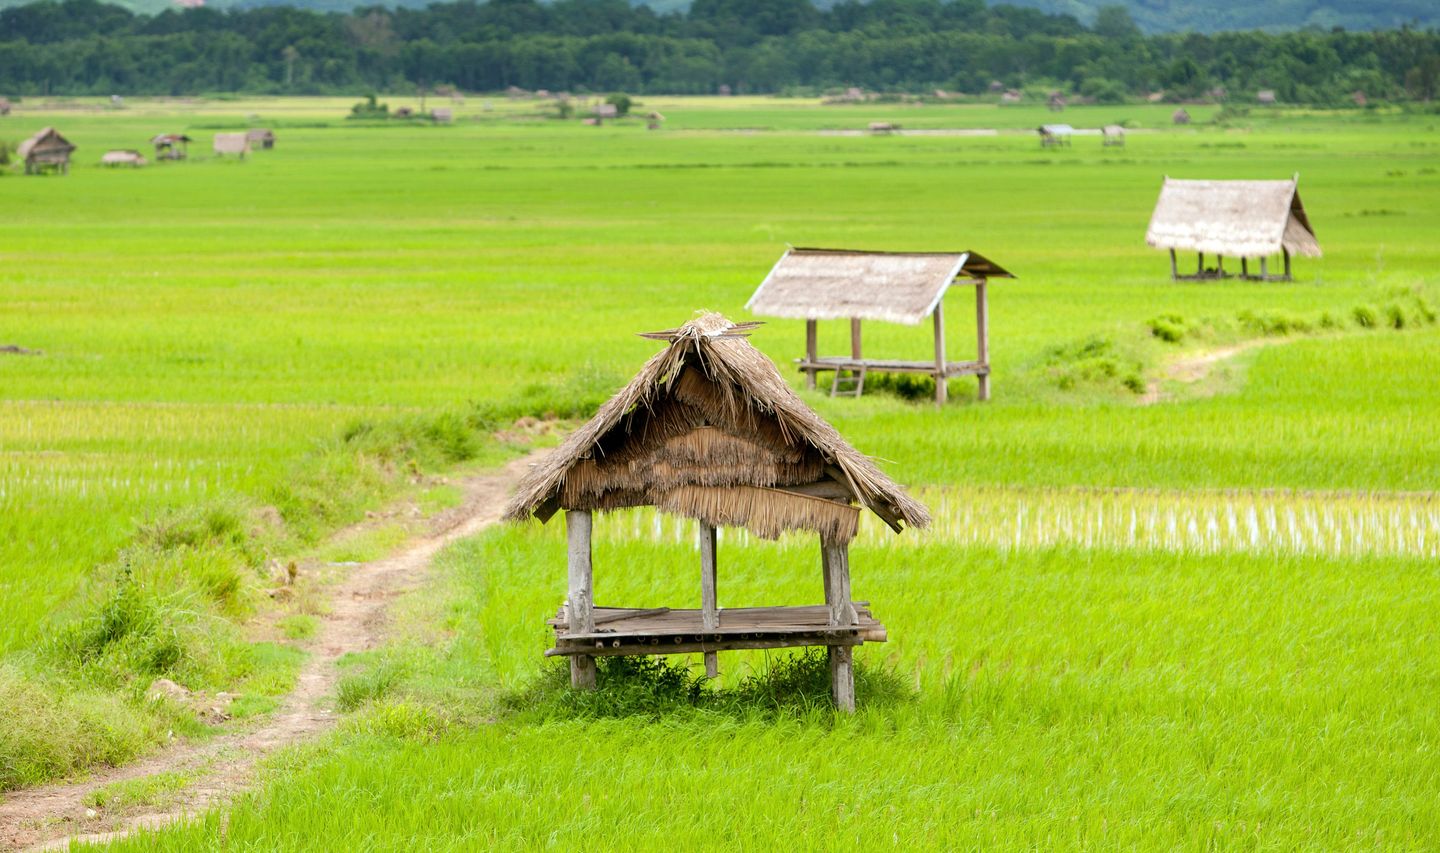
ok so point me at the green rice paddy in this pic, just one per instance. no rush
(1207, 622)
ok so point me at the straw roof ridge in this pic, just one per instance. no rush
(1232, 218)
(744, 390)
(834, 284)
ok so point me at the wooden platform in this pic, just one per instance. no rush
(663, 631)
(952, 368)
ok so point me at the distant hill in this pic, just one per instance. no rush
(1153, 16)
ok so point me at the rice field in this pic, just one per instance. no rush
(1201, 623)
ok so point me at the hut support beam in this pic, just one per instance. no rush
(1174, 272)
(709, 610)
(982, 337)
(1244, 267)
(940, 378)
(1287, 263)
(1264, 272)
(836, 559)
(855, 338)
(581, 600)
(812, 350)
(1200, 263)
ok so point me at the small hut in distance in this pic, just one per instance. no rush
(122, 157)
(1239, 219)
(171, 146)
(1055, 135)
(897, 287)
(1180, 116)
(231, 143)
(260, 137)
(46, 151)
(1112, 136)
(709, 430)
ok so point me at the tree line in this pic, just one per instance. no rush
(762, 46)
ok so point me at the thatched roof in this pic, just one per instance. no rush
(122, 157)
(835, 284)
(169, 139)
(1056, 130)
(1239, 219)
(47, 141)
(260, 134)
(231, 143)
(708, 429)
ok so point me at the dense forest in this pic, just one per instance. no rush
(85, 47)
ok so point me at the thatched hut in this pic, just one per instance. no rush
(237, 144)
(1112, 135)
(1238, 219)
(122, 157)
(1265, 96)
(171, 146)
(606, 112)
(46, 151)
(654, 120)
(442, 115)
(4, 106)
(883, 128)
(1055, 135)
(1056, 102)
(836, 284)
(1180, 116)
(709, 430)
(260, 137)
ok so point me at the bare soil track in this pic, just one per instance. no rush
(50, 817)
(1197, 367)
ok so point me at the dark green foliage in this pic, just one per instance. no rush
(85, 47)
(791, 685)
(621, 102)
(1169, 328)
(370, 109)
(1273, 323)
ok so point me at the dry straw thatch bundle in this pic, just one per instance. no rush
(708, 429)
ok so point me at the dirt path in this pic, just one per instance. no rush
(50, 817)
(1198, 366)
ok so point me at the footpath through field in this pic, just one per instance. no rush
(51, 817)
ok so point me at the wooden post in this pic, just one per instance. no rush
(940, 387)
(1174, 272)
(582, 604)
(1287, 263)
(811, 349)
(982, 335)
(709, 611)
(1244, 267)
(836, 559)
(1264, 270)
(1220, 265)
(855, 338)
(1200, 263)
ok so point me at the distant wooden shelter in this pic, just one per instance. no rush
(4, 106)
(1265, 96)
(1237, 219)
(883, 128)
(237, 144)
(1180, 117)
(260, 137)
(1055, 135)
(171, 146)
(122, 157)
(1056, 102)
(442, 115)
(836, 284)
(604, 112)
(46, 151)
(1112, 135)
(654, 120)
(709, 430)
(1011, 96)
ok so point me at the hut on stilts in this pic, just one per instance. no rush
(46, 151)
(1236, 219)
(897, 287)
(709, 430)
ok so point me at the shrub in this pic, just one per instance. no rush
(1169, 328)
(621, 102)
(1365, 317)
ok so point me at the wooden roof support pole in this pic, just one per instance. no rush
(812, 349)
(940, 380)
(982, 335)
(709, 610)
(1287, 263)
(835, 557)
(1264, 268)
(581, 607)
(1244, 267)
(1174, 272)
(1200, 263)
(855, 338)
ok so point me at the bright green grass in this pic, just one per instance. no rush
(207, 324)
(1063, 698)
